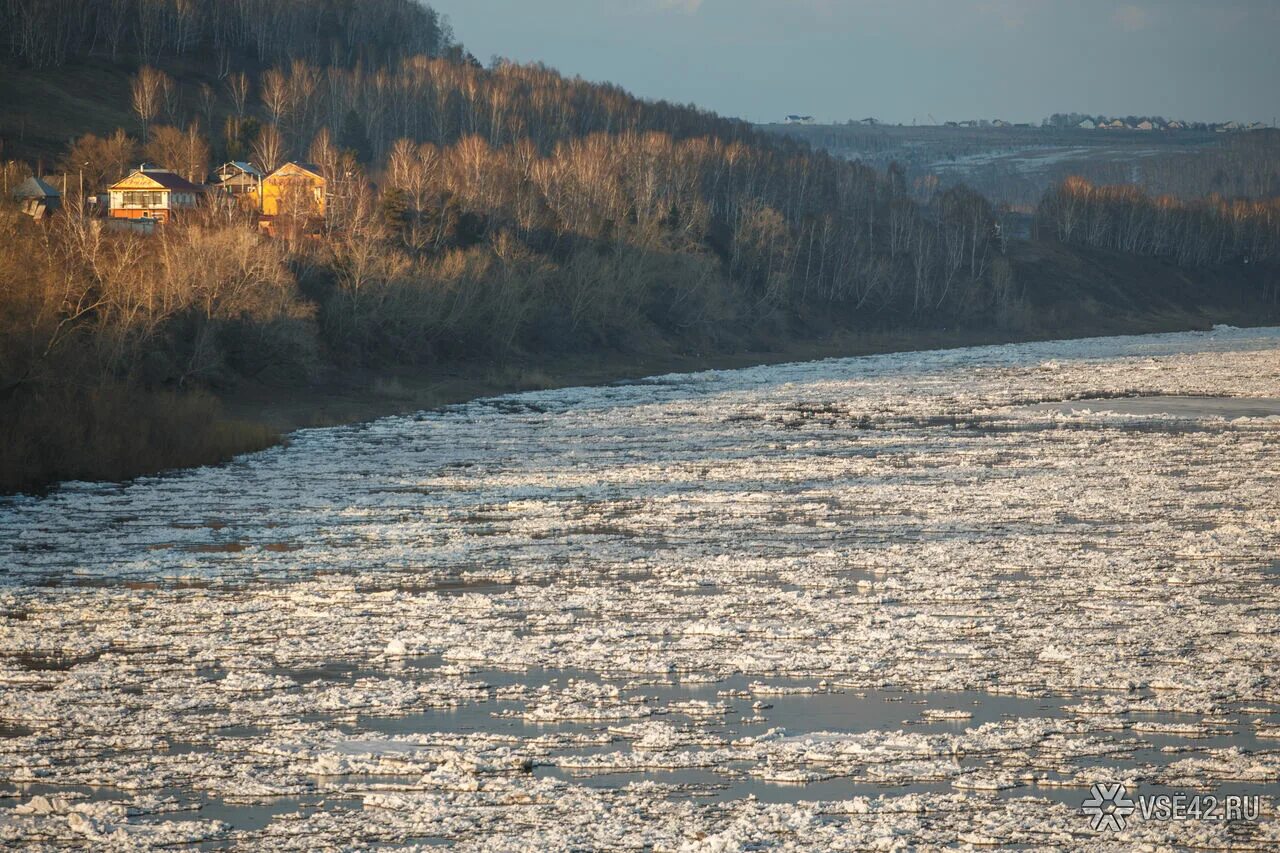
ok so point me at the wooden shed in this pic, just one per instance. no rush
(38, 198)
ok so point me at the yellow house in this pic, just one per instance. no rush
(295, 189)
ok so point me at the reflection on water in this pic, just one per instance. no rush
(496, 701)
(757, 705)
(798, 706)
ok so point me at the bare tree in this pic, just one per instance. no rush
(171, 95)
(112, 21)
(122, 151)
(325, 154)
(208, 102)
(303, 82)
(277, 97)
(97, 161)
(195, 155)
(239, 88)
(268, 149)
(148, 84)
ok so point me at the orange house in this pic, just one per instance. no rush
(152, 194)
(295, 189)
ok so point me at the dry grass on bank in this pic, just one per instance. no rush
(115, 433)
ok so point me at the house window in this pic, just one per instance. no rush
(143, 199)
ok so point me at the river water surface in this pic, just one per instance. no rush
(926, 598)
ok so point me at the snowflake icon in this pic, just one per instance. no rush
(1109, 805)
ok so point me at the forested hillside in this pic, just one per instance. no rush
(1201, 232)
(49, 33)
(474, 214)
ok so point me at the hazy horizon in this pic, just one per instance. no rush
(905, 61)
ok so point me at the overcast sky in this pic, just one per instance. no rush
(903, 60)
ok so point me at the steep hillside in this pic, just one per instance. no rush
(65, 64)
(43, 111)
(1075, 290)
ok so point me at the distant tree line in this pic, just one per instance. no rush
(1063, 121)
(1200, 232)
(443, 100)
(609, 234)
(48, 33)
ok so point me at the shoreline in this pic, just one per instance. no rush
(360, 396)
(254, 417)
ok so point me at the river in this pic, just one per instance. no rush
(927, 598)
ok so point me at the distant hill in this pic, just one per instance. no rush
(1016, 165)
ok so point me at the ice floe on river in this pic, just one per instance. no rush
(921, 599)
